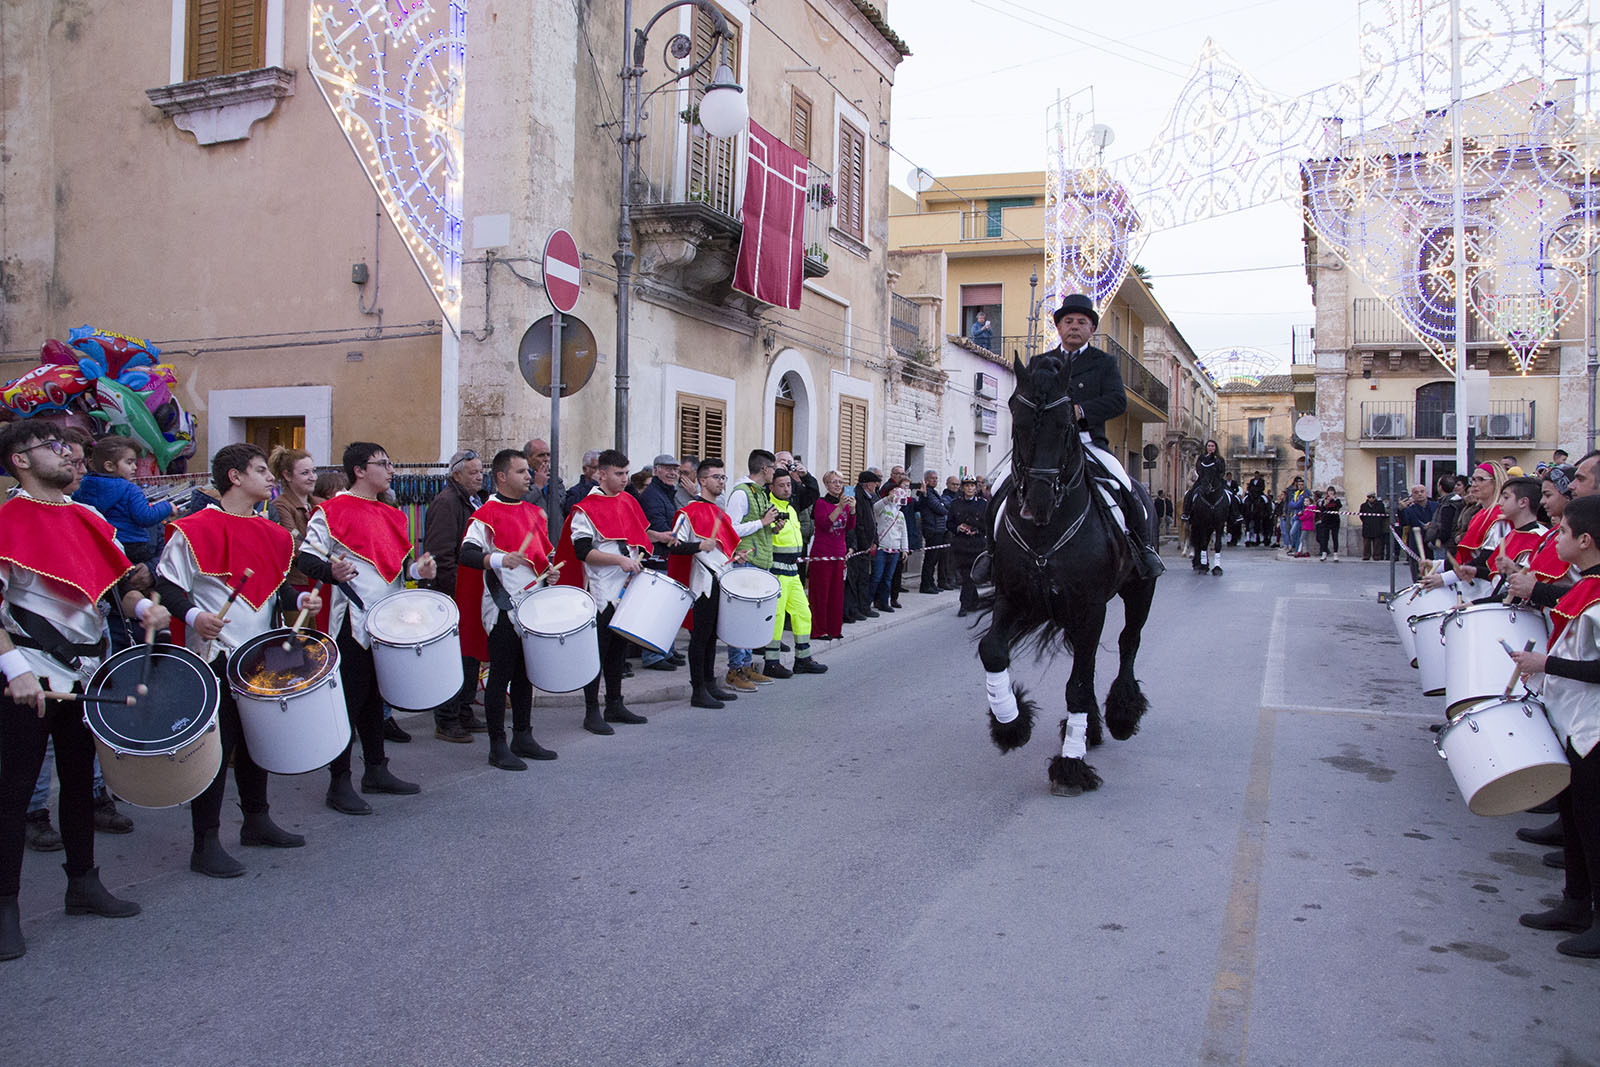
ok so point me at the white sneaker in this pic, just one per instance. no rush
(1336, 557)
(1322, 558)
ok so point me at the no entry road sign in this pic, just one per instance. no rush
(563, 276)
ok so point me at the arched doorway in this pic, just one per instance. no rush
(790, 404)
(783, 416)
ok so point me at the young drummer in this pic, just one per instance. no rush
(358, 546)
(497, 570)
(1571, 669)
(601, 532)
(58, 561)
(202, 565)
(719, 545)
(1504, 535)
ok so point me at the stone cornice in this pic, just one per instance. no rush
(224, 107)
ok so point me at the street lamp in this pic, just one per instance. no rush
(723, 113)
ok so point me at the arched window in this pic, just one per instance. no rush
(1435, 401)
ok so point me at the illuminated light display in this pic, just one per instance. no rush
(1224, 366)
(393, 74)
(1371, 166)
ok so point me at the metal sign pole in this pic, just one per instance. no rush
(552, 508)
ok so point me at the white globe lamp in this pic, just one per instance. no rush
(724, 111)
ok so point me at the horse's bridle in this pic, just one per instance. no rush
(1058, 489)
(1058, 492)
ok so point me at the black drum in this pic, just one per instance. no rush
(165, 748)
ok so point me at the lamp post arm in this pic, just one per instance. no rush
(719, 27)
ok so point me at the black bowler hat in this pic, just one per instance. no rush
(1082, 305)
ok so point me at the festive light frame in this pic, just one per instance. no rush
(1381, 198)
(393, 73)
(1249, 365)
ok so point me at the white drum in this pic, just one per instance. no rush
(1402, 628)
(747, 607)
(1430, 651)
(560, 641)
(1504, 756)
(293, 717)
(416, 648)
(165, 748)
(651, 610)
(1475, 666)
(1420, 601)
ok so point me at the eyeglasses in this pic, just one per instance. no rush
(57, 446)
(466, 457)
(387, 464)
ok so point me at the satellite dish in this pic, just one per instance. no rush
(1102, 136)
(920, 180)
(1308, 427)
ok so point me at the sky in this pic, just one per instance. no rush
(973, 98)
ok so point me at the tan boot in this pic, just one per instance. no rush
(735, 680)
(753, 675)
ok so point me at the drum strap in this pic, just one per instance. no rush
(497, 590)
(37, 633)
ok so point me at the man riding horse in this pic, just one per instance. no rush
(1094, 384)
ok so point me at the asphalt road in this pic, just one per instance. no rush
(841, 870)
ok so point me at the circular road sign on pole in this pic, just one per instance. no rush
(563, 274)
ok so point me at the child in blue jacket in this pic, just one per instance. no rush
(108, 488)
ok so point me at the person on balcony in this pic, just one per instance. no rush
(981, 333)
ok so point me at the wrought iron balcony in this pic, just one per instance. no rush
(905, 336)
(820, 198)
(1302, 345)
(1377, 324)
(1403, 420)
(1136, 377)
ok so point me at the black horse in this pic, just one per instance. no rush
(1257, 517)
(1208, 521)
(1058, 559)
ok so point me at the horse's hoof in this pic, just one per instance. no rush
(1058, 789)
(1217, 571)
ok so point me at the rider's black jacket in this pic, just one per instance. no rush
(1095, 383)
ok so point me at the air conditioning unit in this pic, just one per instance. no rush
(1386, 424)
(1509, 426)
(1450, 424)
(986, 386)
(988, 421)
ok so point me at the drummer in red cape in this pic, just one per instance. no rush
(1571, 697)
(1484, 533)
(718, 547)
(357, 546)
(600, 533)
(504, 553)
(58, 562)
(202, 565)
(1546, 580)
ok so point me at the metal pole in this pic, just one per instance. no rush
(1459, 207)
(623, 257)
(552, 512)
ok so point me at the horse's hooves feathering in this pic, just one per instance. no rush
(1071, 777)
(1125, 707)
(1016, 733)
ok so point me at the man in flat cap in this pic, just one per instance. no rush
(1095, 384)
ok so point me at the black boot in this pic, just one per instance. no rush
(617, 711)
(1547, 835)
(702, 699)
(1573, 916)
(39, 835)
(342, 796)
(1146, 560)
(773, 669)
(807, 665)
(12, 946)
(594, 722)
(523, 744)
(716, 692)
(379, 779)
(260, 831)
(1584, 946)
(107, 819)
(210, 859)
(86, 896)
(500, 755)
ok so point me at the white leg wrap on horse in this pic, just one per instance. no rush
(1002, 701)
(1076, 741)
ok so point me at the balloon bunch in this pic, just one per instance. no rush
(106, 383)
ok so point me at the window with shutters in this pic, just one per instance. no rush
(850, 213)
(224, 37)
(702, 425)
(800, 123)
(713, 161)
(852, 436)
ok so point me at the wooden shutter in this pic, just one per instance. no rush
(712, 163)
(701, 426)
(224, 37)
(852, 181)
(800, 123)
(852, 437)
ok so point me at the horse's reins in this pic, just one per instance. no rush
(1059, 491)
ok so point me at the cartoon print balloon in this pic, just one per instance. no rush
(121, 407)
(49, 387)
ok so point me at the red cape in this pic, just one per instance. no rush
(67, 543)
(511, 524)
(1580, 597)
(615, 518)
(1545, 564)
(223, 546)
(708, 520)
(1477, 530)
(371, 531)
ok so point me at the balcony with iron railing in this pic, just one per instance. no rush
(1376, 324)
(905, 337)
(1136, 377)
(1404, 420)
(1302, 345)
(820, 198)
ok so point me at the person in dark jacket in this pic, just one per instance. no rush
(443, 525)
(1329, 510)
(547, 491)
(1095, 384)
(1374, 527)
(932, 510)
(586, 483)
(965, 521)
(659, 499)
(1414, 520)
(862, 539)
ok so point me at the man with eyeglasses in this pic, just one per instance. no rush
(358, 546)
(58, 561)
(443, 527)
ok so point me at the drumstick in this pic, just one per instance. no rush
(1516, 668)
(233, 594)
(149, 643)
(300, 620)
(84, 698)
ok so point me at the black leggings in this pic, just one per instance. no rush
(362, 701)
(22, 739)
(1580, 825)
(703, 640)
(507, 668)
(613, 656)
(205, 812)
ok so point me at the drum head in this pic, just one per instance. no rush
(751, 583)
(181, 703)
(248, 672)
(556, 611)
(412, 617)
